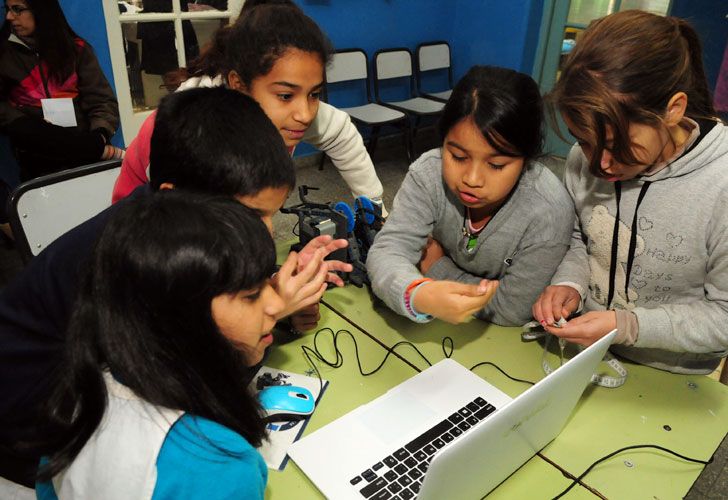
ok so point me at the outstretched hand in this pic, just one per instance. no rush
(452, 301)
(303, 288)
(327, 244)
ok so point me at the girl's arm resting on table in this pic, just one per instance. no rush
(333, 133)
(95, 96)
(392, 260)
(519, 287)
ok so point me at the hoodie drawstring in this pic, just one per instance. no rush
(632, 242)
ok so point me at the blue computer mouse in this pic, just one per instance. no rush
(284, 403)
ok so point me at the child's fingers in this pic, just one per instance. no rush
(553, 312)
(337, 265)
(336, 245)
(471, 305)
(312, 267)
(314, 296)
(335, 279)
(311, 287)
(289, 266)
(470, 290)
(327, 243)
(537, 311)
(318, 242)
(566, 312)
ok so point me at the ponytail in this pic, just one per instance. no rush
(700, 102)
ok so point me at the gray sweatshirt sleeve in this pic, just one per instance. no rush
(392, 260)
(574, 268)
(698, 327)
(530, 271)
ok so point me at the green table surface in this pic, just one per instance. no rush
(693, 408)
(348, 389)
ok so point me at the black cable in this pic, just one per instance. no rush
(339, 360)
(501, 370)
(452, 347)
(606, 457)
(448, 347)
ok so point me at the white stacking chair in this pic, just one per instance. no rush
(44, 208)
(434, 57)
(350, 65)
(392, 64)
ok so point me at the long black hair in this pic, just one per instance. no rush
(54, 39)
(504, 104)
(144, 313)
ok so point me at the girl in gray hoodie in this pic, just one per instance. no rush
(649, 251)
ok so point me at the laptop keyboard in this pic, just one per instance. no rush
(399, 475)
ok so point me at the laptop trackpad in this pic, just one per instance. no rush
(393, 416)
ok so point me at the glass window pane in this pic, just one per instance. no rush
(139, 6)
(198, 33)
(150, 53)
(202, 5)
(582, 12)
(654, 6)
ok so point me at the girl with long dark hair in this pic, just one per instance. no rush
(273, 42)
(499, 220)
(42, 58)
(154, 399)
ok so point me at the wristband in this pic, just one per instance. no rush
(409, 296)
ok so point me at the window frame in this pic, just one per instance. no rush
(131, 121)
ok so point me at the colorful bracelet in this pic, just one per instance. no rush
(409, 297)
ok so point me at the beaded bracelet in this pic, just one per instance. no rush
(409, 296)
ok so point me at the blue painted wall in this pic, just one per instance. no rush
(495, 32)
(708, 17)
(479, 31)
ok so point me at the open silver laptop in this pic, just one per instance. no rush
(444, 433)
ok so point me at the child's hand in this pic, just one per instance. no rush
(452, 301)
(303, 288)
(554, 303)
(306, 318)
(587, 328)
(328, 244)
(430, 254)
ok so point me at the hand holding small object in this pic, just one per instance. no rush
(556, 301)
(452, 301)
(587, 328)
